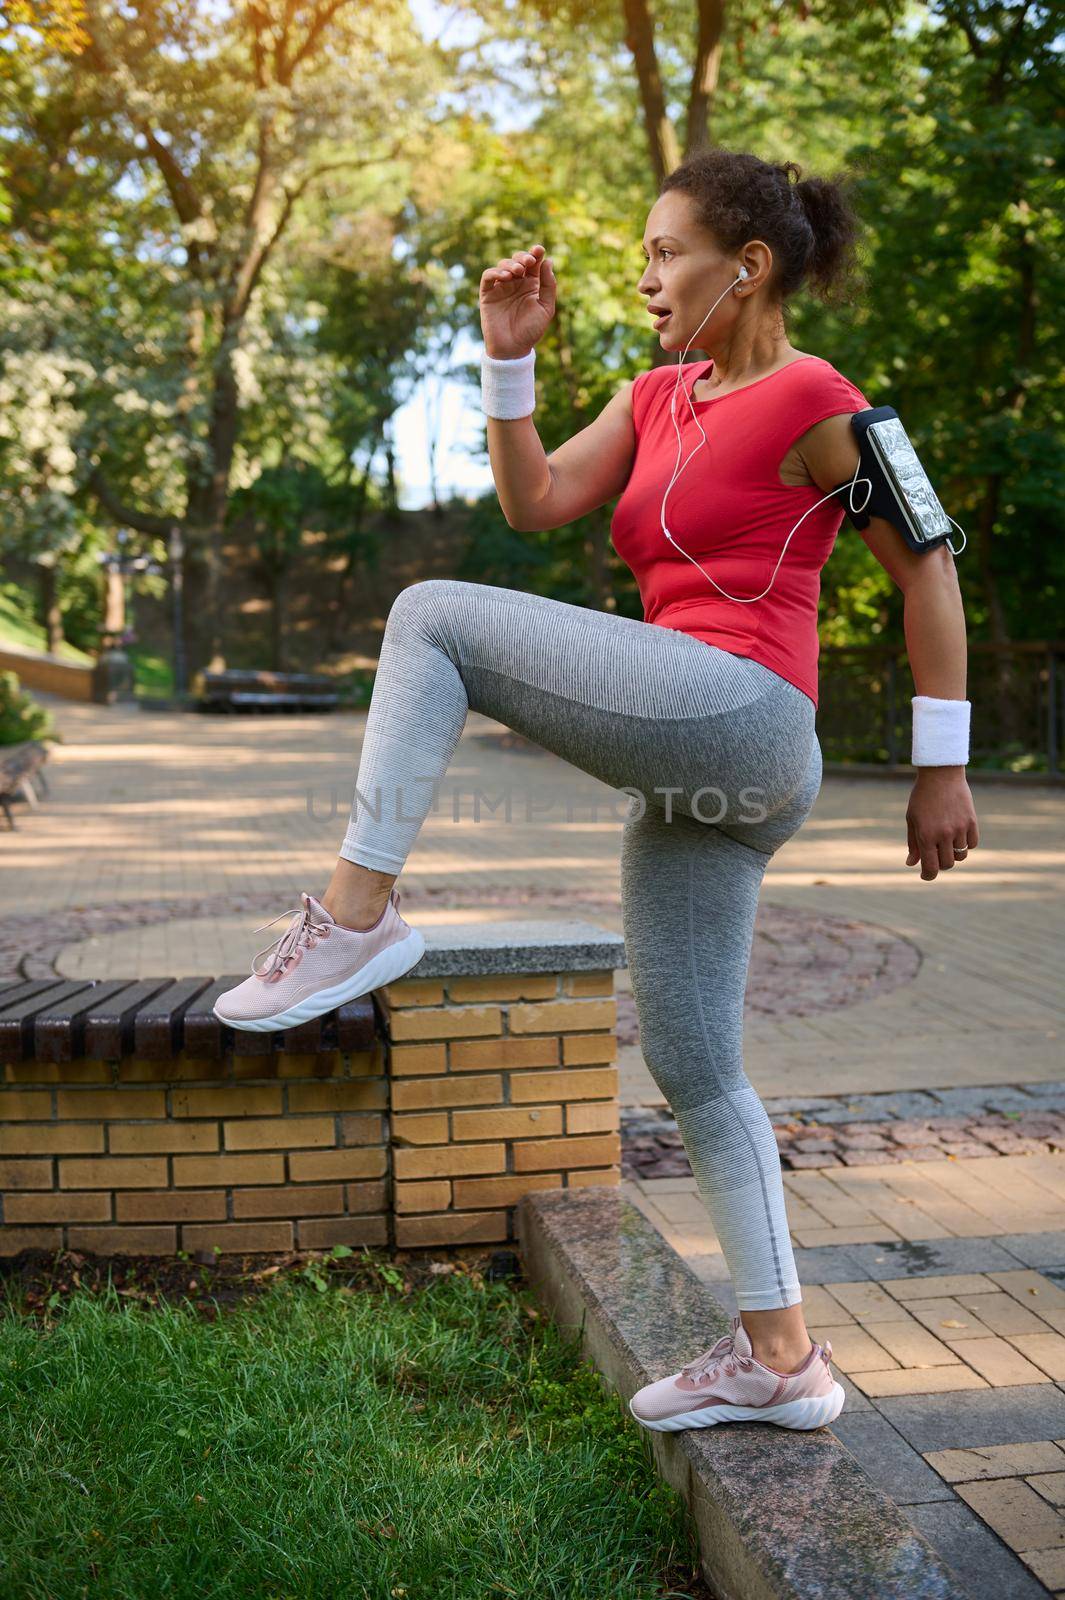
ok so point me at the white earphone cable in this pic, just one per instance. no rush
(853, 482)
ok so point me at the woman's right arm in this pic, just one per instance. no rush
(537, 491)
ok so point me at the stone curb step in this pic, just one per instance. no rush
(780, 1515)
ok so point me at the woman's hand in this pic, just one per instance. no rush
(940, 820)
(517, 302)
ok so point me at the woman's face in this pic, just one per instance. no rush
(685, 273)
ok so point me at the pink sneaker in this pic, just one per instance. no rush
(317, 964)
(727, 1384)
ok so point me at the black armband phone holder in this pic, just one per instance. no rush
(901, 492)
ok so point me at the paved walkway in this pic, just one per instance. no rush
(902, 1033)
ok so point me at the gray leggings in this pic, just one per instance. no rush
(721, 760)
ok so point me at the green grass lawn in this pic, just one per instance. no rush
(339, 1429)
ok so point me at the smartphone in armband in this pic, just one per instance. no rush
(901, 491)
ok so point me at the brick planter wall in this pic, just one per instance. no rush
(132, 1122)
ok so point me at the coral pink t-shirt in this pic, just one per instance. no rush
(729, 509)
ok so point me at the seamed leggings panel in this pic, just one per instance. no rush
(722, 764)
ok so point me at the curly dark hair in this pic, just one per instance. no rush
(810, 225)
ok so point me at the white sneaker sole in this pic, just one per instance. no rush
(812, 1412)
(386, 966)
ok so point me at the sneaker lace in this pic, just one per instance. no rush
(303, 933)
(722, 1354)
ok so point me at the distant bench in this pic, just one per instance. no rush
(237, 690)
(19, 765)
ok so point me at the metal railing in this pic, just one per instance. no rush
(1017, 693)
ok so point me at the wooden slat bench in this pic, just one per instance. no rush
(20, 764)
(238, 690)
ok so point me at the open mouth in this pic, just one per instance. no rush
(660, 322)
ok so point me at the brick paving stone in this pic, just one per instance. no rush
(894, 1466)
(947, 1319)
(935, 1288)
(1013, 1415)
(919, 1380)
(1033, 1289)
(854, 1351)
(983, 1563)
(1021, 1517)
(862, 1299)
(931, 1257)
(1002, 1313)
(998, 1461)
(823, 1263)
(911, 1344)
(997, 1360)
(1048, 1566)
(1051, 1485)
(1045, 1350)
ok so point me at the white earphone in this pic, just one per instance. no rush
(740, 599)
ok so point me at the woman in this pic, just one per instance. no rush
(703, 711)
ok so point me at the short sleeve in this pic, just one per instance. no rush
(825, 393)
(640, 398)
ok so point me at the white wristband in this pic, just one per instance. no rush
(940, 732)
(508, 387)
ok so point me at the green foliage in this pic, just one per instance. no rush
(21, 717)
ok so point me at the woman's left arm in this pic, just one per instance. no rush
(940, 818)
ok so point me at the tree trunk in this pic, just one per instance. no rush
(51, 616)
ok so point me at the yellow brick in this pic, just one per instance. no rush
(132, 1070)
(51, 1138)
(278, 1133)
(451, 1227)
(420, 1127)
(18, 1105)
(25, 1174)
(447, 1022)
(118, 1103)
(504, 986)
(432, 1195)
(313, 1166)
(170, 1205)
(449, 1161)
(470, 1192)
(596, 1116)
(321, 1233)
(607, 1176)
(563, 1016)
(595, 1085)
(328, 1064)
(584, 1050)
(245, 1100)
(518, 1122)
(497, 1055)
(413, 992)
(63, 1207)
(140, 1240)
(139, 1138)
(64, 1072)
(14, 1240)
(237, 1236)
(366, 1094)
(408, 1059)
(112, 1172)
(452, 1090)
(371, 1196)
(306, 1201)
(533, 1155)
(584, 983)
(362, 1127)
(204, 1171)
